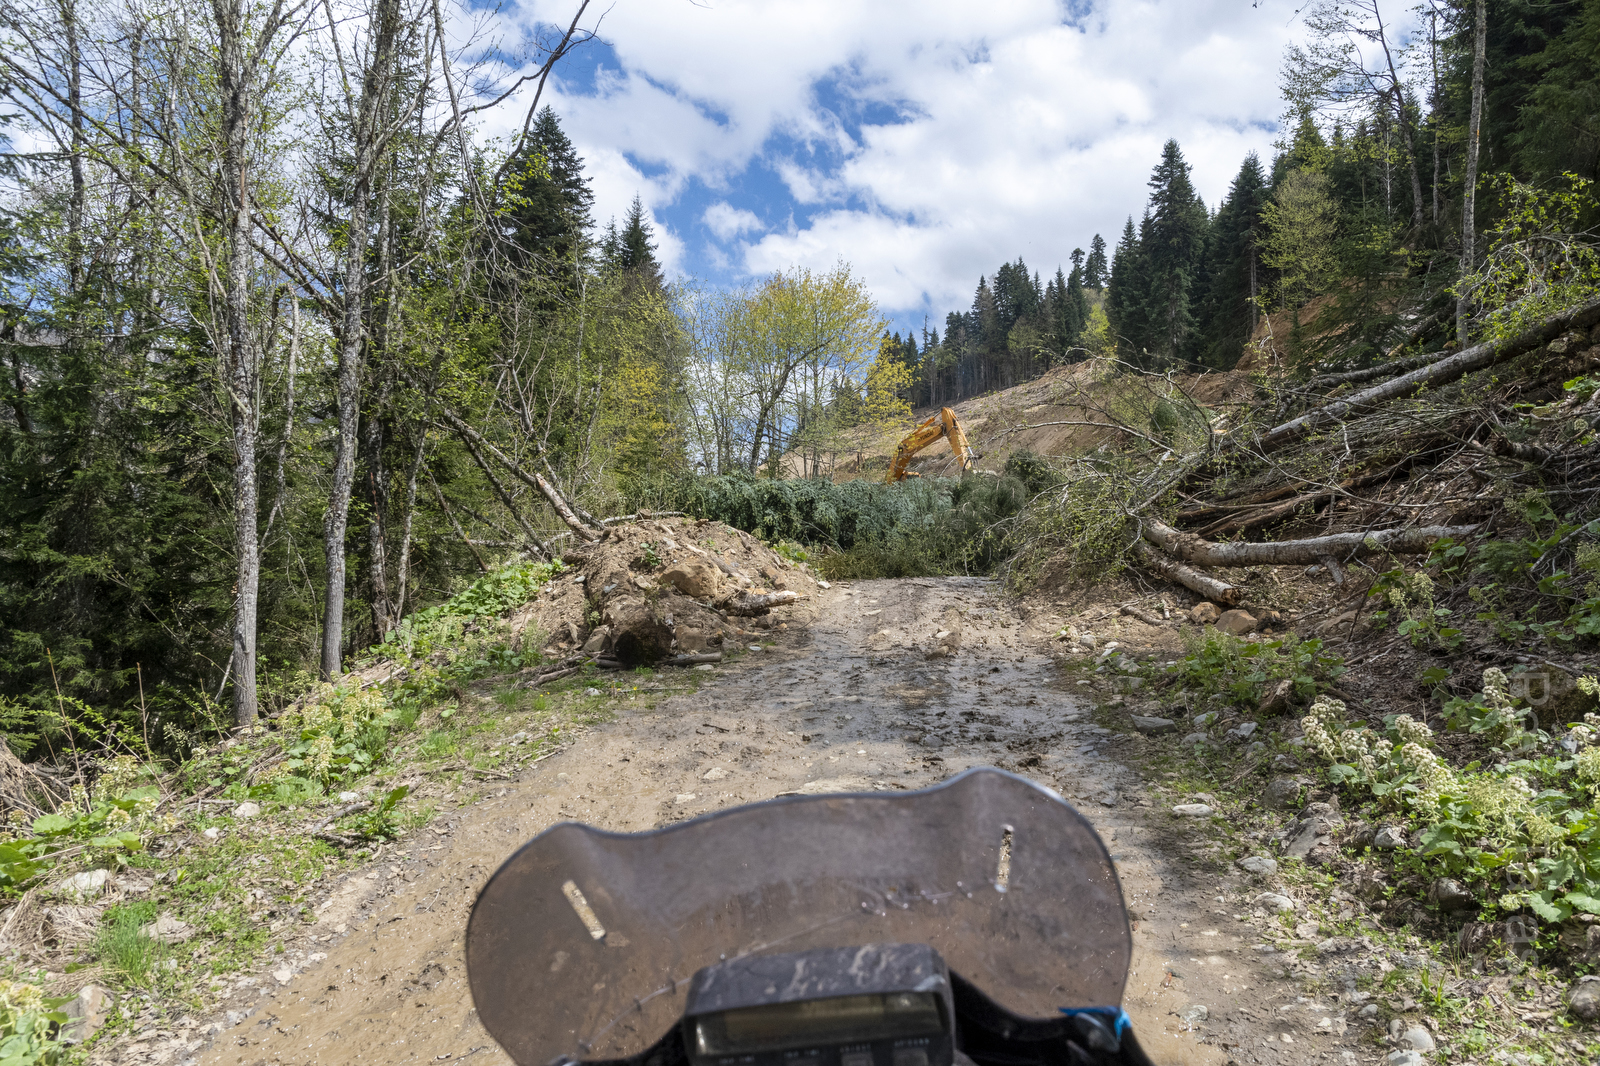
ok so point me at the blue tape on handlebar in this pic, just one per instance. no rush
(1116, 1016)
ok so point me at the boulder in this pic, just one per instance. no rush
(1259, 865)
(168, 930)
(1196, 738)
(85, 885)
(1277, 698)
(1236, 623)
(1417, 1039)
(1193, 810)
(1242, 731)
(1282, 792)
(1584, 999)
(247, 809)
(1389, 838)
(1204, 613)
(1312, 831)
(695, 578)
(86, 1013)
(1451, 895)
(599, 641)
(1476, 938)
(1145, 724)
(1276, 902)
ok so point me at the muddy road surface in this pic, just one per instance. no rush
(896, 685)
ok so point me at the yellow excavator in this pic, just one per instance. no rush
(944, 425)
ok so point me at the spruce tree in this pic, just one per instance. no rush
(1173, 251)
(1125, 295)
(550, 208)
(1237, 275)
(1095, 271)
(636, 247)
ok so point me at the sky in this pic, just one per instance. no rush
(923, 142)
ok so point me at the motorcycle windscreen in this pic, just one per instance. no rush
(582, 945)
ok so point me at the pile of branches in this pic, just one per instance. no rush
(1384, 460)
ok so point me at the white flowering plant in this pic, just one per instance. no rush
(110, 825)
(28, 1021)
(339, 731)
(1526, 828)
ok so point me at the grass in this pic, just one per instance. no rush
(121, 945)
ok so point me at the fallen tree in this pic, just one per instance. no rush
(1214, 589)
(1190, 548)
(1432, 375)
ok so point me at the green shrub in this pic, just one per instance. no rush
(1223, 671)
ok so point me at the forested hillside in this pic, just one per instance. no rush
(1384, 190)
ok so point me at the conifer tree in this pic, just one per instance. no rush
(1095, 271)
(1173, 251)
(1236, 270)
(550, 210)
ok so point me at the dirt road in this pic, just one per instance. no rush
(897, 684)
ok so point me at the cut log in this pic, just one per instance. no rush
(753, 603)
(1214, 589)
(693, 660)
(1190, 548)
(1432, 375)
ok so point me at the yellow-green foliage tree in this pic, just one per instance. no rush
(1302, 221)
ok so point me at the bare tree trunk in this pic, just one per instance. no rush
(377, 525)
(288, 418)
(238, 84)
(375, 87)
(1469, 189)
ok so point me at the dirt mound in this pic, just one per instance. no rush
(659, 589)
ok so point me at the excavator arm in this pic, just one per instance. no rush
(944, 425)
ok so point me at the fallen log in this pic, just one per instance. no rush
(1393, 366)
(747, 604)
(693, 660)
(1213, 589)
(535, 481)
(1190, 548)
(1142, 615)
(1432, 375)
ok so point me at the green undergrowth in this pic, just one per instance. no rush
(1505, 807)
(443, 713)
(863, 528)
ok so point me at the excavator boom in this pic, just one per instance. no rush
(943, 425)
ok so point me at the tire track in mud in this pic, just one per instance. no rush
(897, 685)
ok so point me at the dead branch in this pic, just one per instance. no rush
(1432, 375)
(1400, 541)
(1142, 615)
(1213, 589)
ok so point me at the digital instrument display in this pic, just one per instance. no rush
(840, 1020)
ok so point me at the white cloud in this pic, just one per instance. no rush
(727, 221)
(991, 129)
